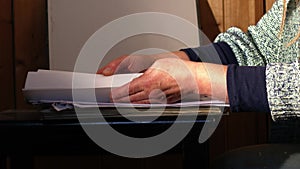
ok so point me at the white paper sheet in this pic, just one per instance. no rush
(57, 88)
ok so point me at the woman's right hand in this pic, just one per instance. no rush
(136, 63)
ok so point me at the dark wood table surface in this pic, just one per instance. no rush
(28, 133)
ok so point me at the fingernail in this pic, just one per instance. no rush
(107, 71)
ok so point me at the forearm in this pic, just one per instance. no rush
(177, 54)
(243, 87)
(211, 79)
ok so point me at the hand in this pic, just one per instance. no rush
(172, 80)
(136, 63)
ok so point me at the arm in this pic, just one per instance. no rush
(137, 63)
(260, 88)
(261, 45)
(246, 86)
(181, 80)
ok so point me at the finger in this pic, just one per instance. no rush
(173, 99)
(100, 71)
(110, 68)
(131, 98)
(123, 66)
(161, 100)
(138, 96)
(134, 64)
(173, 94)
(156, 95)
(173, 91)
(147, 101)
(131, 88)
(122, 100)
(140, 64)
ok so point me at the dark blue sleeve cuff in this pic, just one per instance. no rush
(219, 53)
(247, 89)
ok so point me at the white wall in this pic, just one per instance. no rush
(72, 22)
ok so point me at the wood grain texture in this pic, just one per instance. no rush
(6, 57)
(269, 4)
(30, 41)
(217, 8)
(218, 15)
(259, 10)
(211, 17)
(242, 13)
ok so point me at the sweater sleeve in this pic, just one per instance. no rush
(283, 87)
(218, 53)
(261, 44)
(246, 88)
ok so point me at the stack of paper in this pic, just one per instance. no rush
(57, 86)
(46, 86)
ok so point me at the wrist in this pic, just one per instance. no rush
(176, 54)
(211, 80)
(182, 55)
(203, 79)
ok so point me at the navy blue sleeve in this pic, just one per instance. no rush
(246, 88)
(219, 53)
(246, 85)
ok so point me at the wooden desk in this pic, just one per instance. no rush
(25, 134)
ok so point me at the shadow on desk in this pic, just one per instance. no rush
(29, 136)
(34, 139)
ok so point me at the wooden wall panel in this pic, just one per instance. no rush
(30, 41)
(269, 4)
(257, 11)
(211, 17)
(218, 15)
(6, 57)
(242, 13)
(217, 8)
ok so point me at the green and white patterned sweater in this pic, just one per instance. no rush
(261, 46)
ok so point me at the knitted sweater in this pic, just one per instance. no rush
(261, 46)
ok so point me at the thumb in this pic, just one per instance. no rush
(106, 71)
(110, 69)
(140, 64)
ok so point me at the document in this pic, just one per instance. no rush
(49, 85)
(57, 88)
